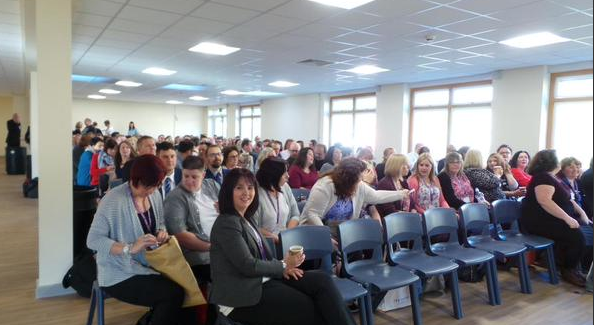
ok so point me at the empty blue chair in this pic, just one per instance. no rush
(403, 226)
(442, 221)
(317, 244)
(508, 212)
(474, 218)
(360, 235)
(98, 297)
(300, 194)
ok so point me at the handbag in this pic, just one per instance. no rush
(169, 260)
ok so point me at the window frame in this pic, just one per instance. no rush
(354, 112)
(212, 120)
(449, 107)
(251, 117)
(553, 100)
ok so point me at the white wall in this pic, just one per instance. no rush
(392, 118)
(150, 119)
(298, 117)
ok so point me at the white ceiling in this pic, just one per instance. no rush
(120, 38)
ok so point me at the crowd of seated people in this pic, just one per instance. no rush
(227, 216)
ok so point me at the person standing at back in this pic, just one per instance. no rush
(13, 139)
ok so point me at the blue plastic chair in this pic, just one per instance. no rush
(508, 212)
(98, 297)
(301, 205)
(442, 221)
(317, 244)
(403, 226)
(474, 218)
(300, 194)
(360, 235)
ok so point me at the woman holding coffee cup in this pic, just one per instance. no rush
(248, 284)
(498, 166)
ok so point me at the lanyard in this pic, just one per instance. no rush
(259, 241)
(431, 189)
(277, 208)
(146, 216)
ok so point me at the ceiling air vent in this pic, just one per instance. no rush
(315, 63)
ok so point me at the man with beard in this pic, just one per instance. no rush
(214, 160)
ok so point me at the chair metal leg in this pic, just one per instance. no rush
(362, 302)
(496, 281)
(490, 287)
(415, 304)
(369, 306)
(456, 302)
(91, 316)
(100, 307)
(525, 284)
(553, 277)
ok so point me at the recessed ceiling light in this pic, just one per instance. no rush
(159, 71)
(259, 93)
(214, 49)
(231, 93)
(534, 40)
(110, 91)
(184, 87)
(126, 83)
(198, 98)
(96, 97)
(92, 79)
(344, 4)
(367, 70)
(283, 84)
(174, 102)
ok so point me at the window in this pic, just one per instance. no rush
(454, 114)
(353, 120)
(250, 121)
(217, 122)
(570, 115)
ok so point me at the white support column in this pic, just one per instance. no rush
(54, 102)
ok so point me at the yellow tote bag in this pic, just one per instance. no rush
(169, 260)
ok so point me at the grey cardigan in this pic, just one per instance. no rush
(181, 214)
(116, 221)
(262, 217)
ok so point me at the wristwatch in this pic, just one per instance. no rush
(284, 264)
(126, 250)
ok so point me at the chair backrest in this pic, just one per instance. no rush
(316, 241)
(474, 218)
(301, 206)
(300, 194)
(441, 221)
(360, 235)
(115, 183)
(401, 227)
(507, 212)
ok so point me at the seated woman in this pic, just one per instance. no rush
(396, 167)
(125, 153)
(249, 285)
(519, 163)
(341, 195)
(497, 165)
(427, 193)
(456, 187)
(482, 179)
(333, 158)
(230, 157)
(128, 221)
(245, 160)
(303, 173)
(103, 161)
(83, 174)
(266, 152)
(278, 209)
(547, 211)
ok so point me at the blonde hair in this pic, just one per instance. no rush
(394, 165)
(474, 159)
(432, 176)
(566, 162)
(265, 153)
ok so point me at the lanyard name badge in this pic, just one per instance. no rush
(277, 207)
(146, 216)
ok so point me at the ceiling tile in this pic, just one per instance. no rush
(320, 32)
(352, 20)
(306, 10)
(391, 8)
(183, 7)
(125, 36)
(575, 4)
(489, 6)
(136, 27)
(98, 7)
(91, 20)
(201, 25)
(532, 12)
(274, 23)
(149, 16)
(224, 13)
(439, 17)
(260, 5)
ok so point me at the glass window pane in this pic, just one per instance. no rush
(246, 128)
(366, 103)
(342, 105)
(246, 112)
(572, 133)
(473, 95)
(472, 127)
(257, 127)
(578, 86)
(430, 127)
(257, 111)
(439, 97)
(342, 129)
(365, 129)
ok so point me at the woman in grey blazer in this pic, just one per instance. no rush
(129, 220)
(249, 285)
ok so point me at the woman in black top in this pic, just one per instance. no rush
(547, 210)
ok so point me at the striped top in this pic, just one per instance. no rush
(116, 220)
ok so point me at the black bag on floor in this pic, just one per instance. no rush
(82, 274)
(30, 188)
(474, 273)
(146, 318)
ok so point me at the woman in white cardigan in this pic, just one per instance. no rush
(342, 194)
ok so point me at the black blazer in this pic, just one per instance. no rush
(237, 267)
(13, 138)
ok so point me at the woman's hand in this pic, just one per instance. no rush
(162, 237)
(293, 273)
(572, 223)
(294, 261)
(585, 220)
(142, 243)
(369, 176)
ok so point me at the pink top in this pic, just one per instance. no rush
(426, 196)
(300, 179)
(521, 176)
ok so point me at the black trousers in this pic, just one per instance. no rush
(312, 300)
(164, 296)
(570, 244)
